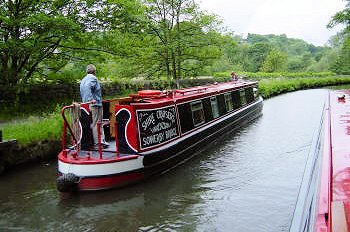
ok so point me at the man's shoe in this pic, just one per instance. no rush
(104, 144)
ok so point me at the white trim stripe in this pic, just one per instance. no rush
(87, 112)
(101, 169)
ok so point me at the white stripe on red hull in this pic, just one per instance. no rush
(102, 169)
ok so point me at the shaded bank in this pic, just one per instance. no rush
(14, 154)
(40, 140)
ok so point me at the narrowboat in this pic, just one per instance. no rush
(149, 132)
(323, 203)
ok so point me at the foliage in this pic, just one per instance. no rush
(342, 17)
(258, 54)
(263, 75)
(52, 41)
(272, 87)
(275, 62)
(342, 63)
(250, 54)
(39, 37)
(185, 39)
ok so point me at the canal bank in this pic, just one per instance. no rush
(14, 154)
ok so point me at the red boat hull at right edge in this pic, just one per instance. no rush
(323, 203)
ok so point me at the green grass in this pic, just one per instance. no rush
(34, 129)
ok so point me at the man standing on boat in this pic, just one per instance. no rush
(90, 91)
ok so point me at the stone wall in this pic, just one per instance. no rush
(13, 154)
(48, 93)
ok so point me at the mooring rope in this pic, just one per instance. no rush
(74, 114)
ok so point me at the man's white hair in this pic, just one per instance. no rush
(90, 69)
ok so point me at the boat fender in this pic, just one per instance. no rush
(67, 182)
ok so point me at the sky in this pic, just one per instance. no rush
(302, 19)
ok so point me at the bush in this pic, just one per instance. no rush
(270, 87)
(263, 75)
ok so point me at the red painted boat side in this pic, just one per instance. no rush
(107, 182)
(335, 179)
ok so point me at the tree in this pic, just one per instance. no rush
(342, 64)
(185, 37)
(274, 62)
(295, 64)
(326, 62)
(41, 35)
(229, 47)
(257, 54)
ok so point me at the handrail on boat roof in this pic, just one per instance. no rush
(191, 89)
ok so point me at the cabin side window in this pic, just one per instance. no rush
(197, 113)
(236, 100)
(228, 102)
(249, 94)
(214, 107)
(221, 104)
(208, 115)
(184, 115)
(242, 97)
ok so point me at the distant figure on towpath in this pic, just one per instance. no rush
(90, 91)
(234, 76)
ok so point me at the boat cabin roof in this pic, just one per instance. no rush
(191, 93)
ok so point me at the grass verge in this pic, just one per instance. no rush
(272, 87)
(35, 129)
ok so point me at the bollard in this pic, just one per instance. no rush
(0, 135)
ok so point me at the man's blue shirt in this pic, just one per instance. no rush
(90, 90)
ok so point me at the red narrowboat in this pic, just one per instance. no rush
(149, 132)
(323, 203)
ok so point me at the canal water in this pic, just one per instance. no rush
(248, 180)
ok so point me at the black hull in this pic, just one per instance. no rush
(168, 158)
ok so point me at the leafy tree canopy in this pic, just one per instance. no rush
(274, 62)
(342, 63)
(38, 36)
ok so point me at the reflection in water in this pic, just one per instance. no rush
(246, 181)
